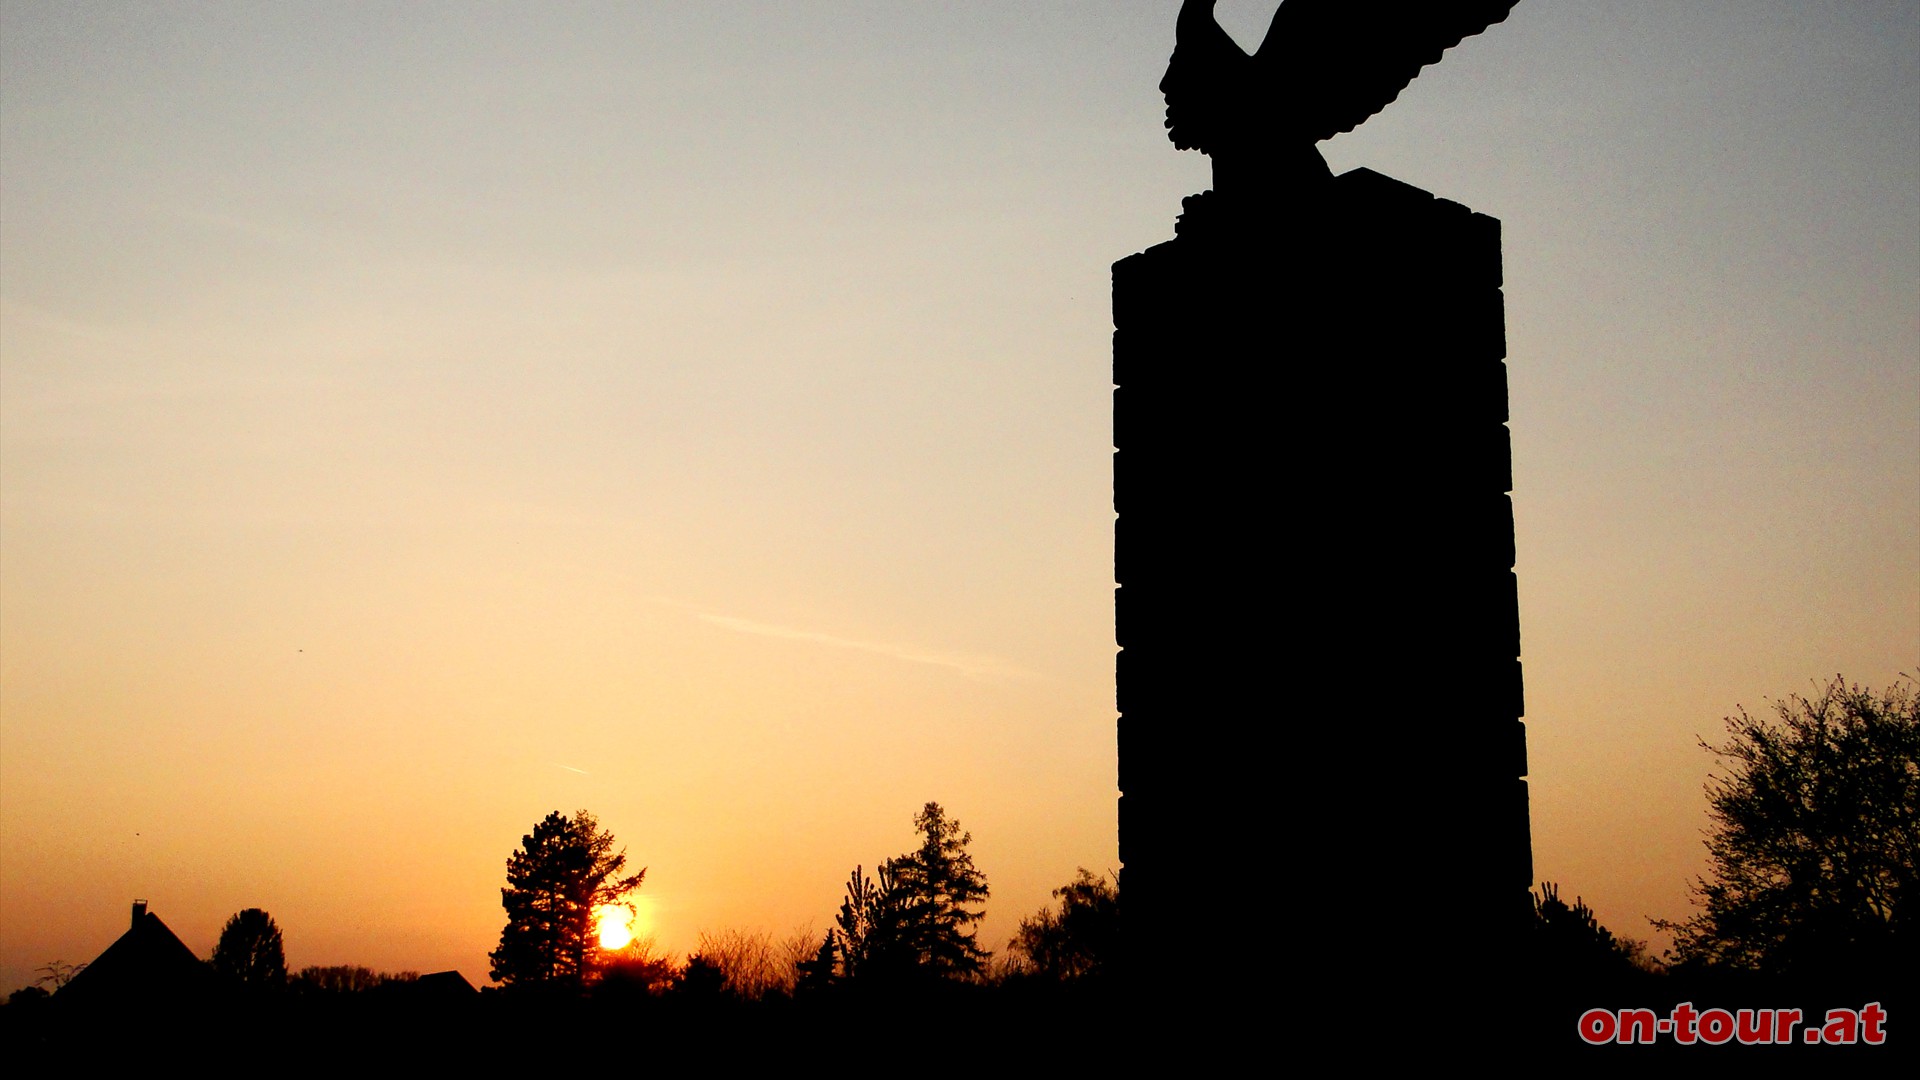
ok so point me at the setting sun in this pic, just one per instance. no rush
(614, 929)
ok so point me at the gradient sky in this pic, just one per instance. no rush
(416, 418)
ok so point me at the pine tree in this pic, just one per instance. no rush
(935, 885)
(911, 920)
(565, 870)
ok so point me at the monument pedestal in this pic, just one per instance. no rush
(1318, 679)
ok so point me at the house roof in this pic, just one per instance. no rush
(148, 964)
(445, 984)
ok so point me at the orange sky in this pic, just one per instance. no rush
(417, 418)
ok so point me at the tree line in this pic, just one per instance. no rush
(1811, 873)
(912, 923)
(1814, 827)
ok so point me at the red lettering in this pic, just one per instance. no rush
(1871, 1018)
(1683, 1017)
(1597, 1026)
(1755, 1026)
(1716, 1027)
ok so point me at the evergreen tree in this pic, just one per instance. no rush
(870, 935)
(934, 885)
(1569, 942)
(815, 975)
(911, 920)
(565, 870)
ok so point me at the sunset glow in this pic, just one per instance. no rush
(417, 419)
(616, 928)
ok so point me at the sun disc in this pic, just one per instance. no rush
(614, 929)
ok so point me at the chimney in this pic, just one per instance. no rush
(139, 909)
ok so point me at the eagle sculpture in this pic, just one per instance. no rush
(1325, 66)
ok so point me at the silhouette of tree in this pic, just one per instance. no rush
(636, 970)
(1813, 840)
(749, 962)
(869, 937)
(701, 979)
(913, 920)
(28, 997)
(565, 870)
(250, 952)
(347, 979)
(1081, 941)
(935, 884)
(794, 952)
(57, 974)
(1569, 941)
(815, 974)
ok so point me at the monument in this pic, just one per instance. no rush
(1318, 683)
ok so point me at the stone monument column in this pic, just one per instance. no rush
(1318, 676)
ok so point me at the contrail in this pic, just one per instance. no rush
(962, 662)
(569, 768)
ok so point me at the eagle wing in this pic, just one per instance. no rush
(1327, 65)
